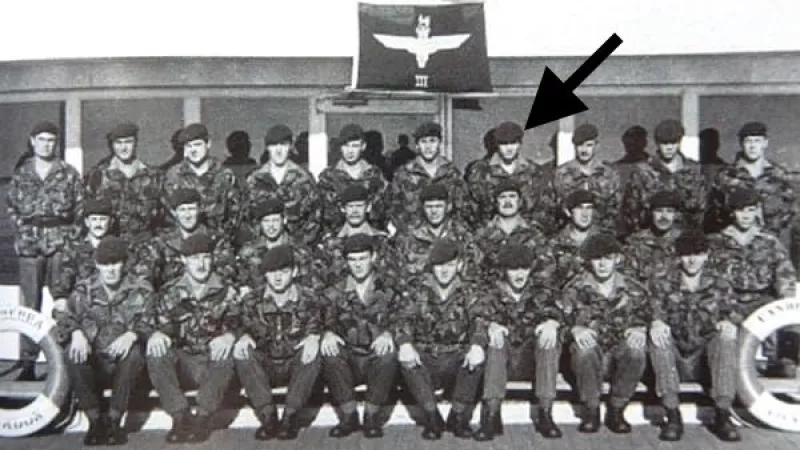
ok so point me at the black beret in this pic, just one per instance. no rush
(354, 193)
(752, 129)
(44, 127)
(665, 199)
(600, 245)
(267, 207)
(515, 257)
(584, 132)
(507, 184)
(278, 134)
(193, 132)
(351, 132)
(101, 206)
(508, 132)
(434, 191)
(111, 250)
(635, 136)
(358, 243)
(126, 129)
(668, 131)
(428, 129)
(443, 251)
(277, 258)
(578, 197)
(691, 242)
(196, 244)
(742, 197)
(183, 196)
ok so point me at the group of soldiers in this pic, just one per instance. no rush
(435, 279)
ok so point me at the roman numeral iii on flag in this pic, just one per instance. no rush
(437, 48)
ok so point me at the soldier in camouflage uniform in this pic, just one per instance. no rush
(508, 163)
(607, 314)
(668, 170)
(441, 333)
(402, 196)
(281, 328)
(133, 188)
(351, 169)
(106, 320)
(752, 169)
(358, 344)
(565, 247)
(220, 191)
(645, 250)
(691, 306)
(588, 172)
(524, 342)
(282, 178)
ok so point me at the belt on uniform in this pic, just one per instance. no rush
(436, 349)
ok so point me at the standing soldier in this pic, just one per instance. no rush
(429, 167)
(133, 188)
(282, 178)
(523, 342)
(220, 192)
(645, 250)
(607, 314)
(358, 345)
(195, 329)
(692, 321)
(668, 170)
(565, 247)
(281, 327)
(441, 334)
(107, 319)
(351, 169)
(588, 172)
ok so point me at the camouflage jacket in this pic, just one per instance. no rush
(565, 252)
(521, 317)
(645, 253)
(300, 195)
(136, 201)
(691, 315)
(221, 193)
(652, 176)
(402, 196)
(249, 257)
(104, 316)
(415, 245)
(491, 239)
(48, 209)
(192, 322)
(332, 183)
(331, 262)
(603, 181)
(627, 307)
(773, 186)
(278, 329)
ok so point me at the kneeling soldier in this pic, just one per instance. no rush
(690, 322)
(523, 342)
(281, 322)
(107, 317)
(608, 314)
(194, 336)
(441, 335)
(358, 316)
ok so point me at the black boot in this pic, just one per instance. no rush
(458, 424)
(97, 434)
(181, 428)
(590, 420)
(433, 425)
(615, 420)
(724, 428)
(268, 428)
(116, 433)
(372, 426)
(489, 424)
(288, 428)
(346, 427)
(201, 428)
(545, 424)
(672, 430)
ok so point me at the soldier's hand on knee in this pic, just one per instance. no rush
(241, 350)
(660, 333)
(547, 334)
(635, 337)
(122, 345)
(79, 348)
(310, 348)
(221, 346)
(586, 338)
(497, 335)
(330, 344)
(407, 356)
(727, 330)
(475, 357)
(158, 344)
(383, 344)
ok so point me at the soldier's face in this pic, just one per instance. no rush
(664, 218)
(509, 151)
(198, 266)
(196, 151)
(44, 145)
(356, 213)
(188, 216)
(272, 226)
(753, 147)
(668, 150)
(508, 203)
(351, 151)
(279, 153)
(603, 268)
(745, 218)
(429, 147)
(518, 278)
(447, 272)
(585, 152)
(280, 280)
(124, 148)
(98, 225)
(110, 274)
(693, 264)
(582, 216)
(435, 211)
(360, 264)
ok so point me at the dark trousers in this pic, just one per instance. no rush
(99, 371)
(524, 362)
(625, 366)
(443, 370)
(260, 373)
(211, 378)
(33, 273)
(349, 368)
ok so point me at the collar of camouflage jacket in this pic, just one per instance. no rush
(138, 166)
(430, 282)
(364, 169)
(742, 239)
(620, 283)
(291, 295)
(185, 167)
(520, 165)
(444, 167)
(647, 237)
(351, 285)
(174, 237)
(685, 164)
(365, 228)
(100, 293)
(212, 285)
(28, 168)
(569, 234)
(707, 277)
(425, 233)
(518, 223)
(769, 169)
(595, 166)
(294, 172)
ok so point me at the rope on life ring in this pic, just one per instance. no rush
(46, 406)
(759, 401)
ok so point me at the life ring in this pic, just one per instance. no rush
(46, 406)
(759, 401)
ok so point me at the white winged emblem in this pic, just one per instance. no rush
(423, 45)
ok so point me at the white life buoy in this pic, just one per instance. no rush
(46, 406)
(760, 402)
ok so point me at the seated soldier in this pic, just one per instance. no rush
(523, 342)
(107, 318)
(441, 334)
(358, 345)
(607, 314)
(281, 326)
(646, 250)
(194, 334)
(691, 307)
(565, 247)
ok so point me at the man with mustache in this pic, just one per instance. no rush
(646, 250)
(565, 247)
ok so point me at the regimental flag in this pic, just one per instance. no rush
(437, 48)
